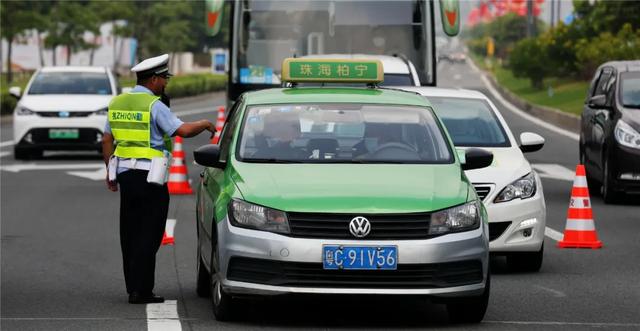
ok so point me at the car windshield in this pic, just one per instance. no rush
(342, 133)
(470, 122)
(397, 80)
(630, 89)
(71, 83)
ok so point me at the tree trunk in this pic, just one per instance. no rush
(40, 52)
(53, 54)
(68, 55)
(9, 70)
(114, 42)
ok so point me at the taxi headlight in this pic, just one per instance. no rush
(102, 112)
(23, 111)
(626, 135)
(522, 188)
(247, 215)
(461, 218)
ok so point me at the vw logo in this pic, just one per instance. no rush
(359, 227)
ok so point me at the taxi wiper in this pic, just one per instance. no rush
(376, 161)
(271, 160)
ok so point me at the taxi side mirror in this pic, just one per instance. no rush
(208, 156)
(476, 158)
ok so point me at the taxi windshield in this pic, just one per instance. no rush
(470, 122)
(342, 133)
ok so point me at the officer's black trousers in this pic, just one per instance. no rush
(143, 214)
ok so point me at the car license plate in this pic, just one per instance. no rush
(63, 134)
(360, 257)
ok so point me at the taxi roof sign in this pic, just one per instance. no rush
(332, 70)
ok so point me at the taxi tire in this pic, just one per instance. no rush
(471, 309)
(21, 153)
(526, 261)
(221, 301)
(203, 287)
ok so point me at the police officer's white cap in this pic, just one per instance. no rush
(157, 66)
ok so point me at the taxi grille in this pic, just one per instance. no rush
(482, 190)
(336, 226)
(407, 276)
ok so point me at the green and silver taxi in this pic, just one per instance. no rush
(340, 190)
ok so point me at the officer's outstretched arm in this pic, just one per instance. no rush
(191, 129)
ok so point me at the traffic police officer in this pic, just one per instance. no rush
(138, 127)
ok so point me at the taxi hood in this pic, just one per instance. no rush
(348, 188)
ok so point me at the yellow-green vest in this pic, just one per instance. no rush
(130, 121)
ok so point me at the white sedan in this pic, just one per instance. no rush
(62, 108)
(511, 190)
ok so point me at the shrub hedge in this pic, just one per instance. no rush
(179, 86)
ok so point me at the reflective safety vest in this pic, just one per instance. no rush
(130, 121)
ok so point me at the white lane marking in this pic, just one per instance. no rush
(99, 174)
(3, 154)
(163, 316)
(555, 171)
(555, 293)
(35, 166)
(553, 234)
(515, 109)
(595, 324)
(212, 110)
(6, 143)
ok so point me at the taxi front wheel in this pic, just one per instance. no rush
(472, 309)
(203, 287)
(222, 301)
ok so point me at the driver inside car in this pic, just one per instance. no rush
(375, 135)
(280, 131)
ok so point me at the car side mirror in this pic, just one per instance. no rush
(530, 142)
(15, 91)
(598, 101)
(209, 156)
(476, 158)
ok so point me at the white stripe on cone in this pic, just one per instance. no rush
(169, 227)
(580, 225)
(580, 181)
(580, 203)
(177, 177)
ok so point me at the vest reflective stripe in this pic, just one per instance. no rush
(129, 118)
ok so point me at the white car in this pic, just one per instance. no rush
(62, 108)
(511, 190)
(398, 71)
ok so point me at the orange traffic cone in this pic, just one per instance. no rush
(167, 238)
(580, 231)
(219, 125)
(178, 181)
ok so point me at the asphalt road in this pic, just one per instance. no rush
(61, 263)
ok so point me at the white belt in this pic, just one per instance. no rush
(135, 164)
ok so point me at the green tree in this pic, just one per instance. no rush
(17, 17)
(529, 59)
(595, 17)
(591, 53)
(69, 20)
(116, 13)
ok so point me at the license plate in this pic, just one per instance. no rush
(360, 257)
(64, 134)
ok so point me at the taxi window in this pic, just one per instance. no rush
(342, 133)
(470, 122)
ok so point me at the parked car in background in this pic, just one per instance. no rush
(510, 189)
(610, 130)
(62, 108)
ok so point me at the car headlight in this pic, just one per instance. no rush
(461, 218)
(23, 111)
(522, 188)
(626, 135)
(247, 215)
(102, 112)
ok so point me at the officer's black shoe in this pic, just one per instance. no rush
(137, 298)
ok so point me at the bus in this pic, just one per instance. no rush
(264, 32)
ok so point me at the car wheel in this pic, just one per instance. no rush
(203, 283)
(609, 195)
(21, 153)
(526, 261)
(594, 186)
(471, 309)
(222, 301)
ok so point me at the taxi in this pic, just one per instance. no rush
(340, 190)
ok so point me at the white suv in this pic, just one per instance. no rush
(62, 108)
(510, 189)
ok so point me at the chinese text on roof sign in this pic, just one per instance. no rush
(332, 70)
